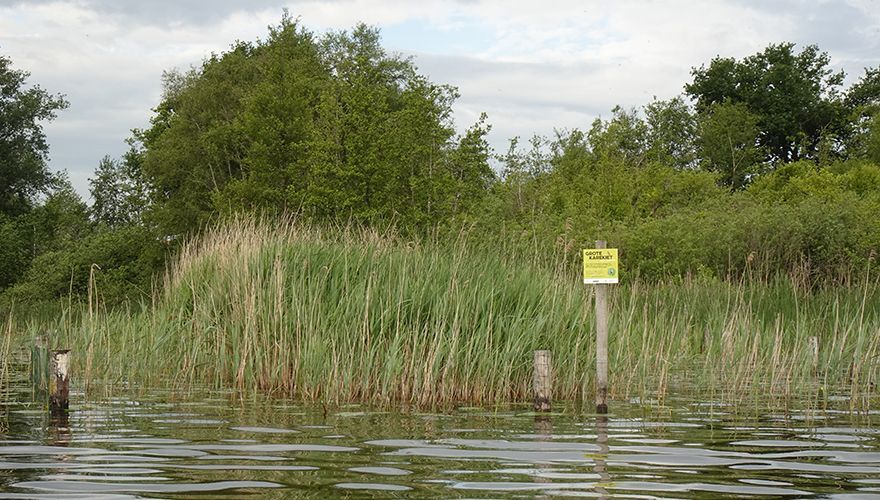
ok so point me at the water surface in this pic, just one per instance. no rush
(166, 445)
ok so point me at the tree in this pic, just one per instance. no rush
(61, 220)
(864, 95)
(469, 170)
(864, 100)
(119, 192)
(728, 143)
(796, 97)
(382, 133)
(672, 133)
(23, 148)
(624, 137)
(872, 146)
(334, 127)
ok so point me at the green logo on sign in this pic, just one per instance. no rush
(610, 271)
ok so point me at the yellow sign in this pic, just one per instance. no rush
(600, 265)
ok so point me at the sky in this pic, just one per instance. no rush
(532, 66)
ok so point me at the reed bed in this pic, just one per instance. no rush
(346, 314)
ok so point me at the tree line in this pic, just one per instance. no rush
(767, 164)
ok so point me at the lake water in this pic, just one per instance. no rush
(167, 445)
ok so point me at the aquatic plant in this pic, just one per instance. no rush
(353, 314)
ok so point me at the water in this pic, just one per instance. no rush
(166, 445)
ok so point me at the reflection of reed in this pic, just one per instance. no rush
(601, 467)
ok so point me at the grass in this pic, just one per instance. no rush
(346, 314)
(6, 334)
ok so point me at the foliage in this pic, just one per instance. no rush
(121, 261)
(672, 133)
(23, 147)
(796, 96)
(728, 137)
(334, 127)
(119, 193)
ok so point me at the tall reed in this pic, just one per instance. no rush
(350, 314)
(5, 360)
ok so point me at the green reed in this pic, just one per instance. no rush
(348, 314)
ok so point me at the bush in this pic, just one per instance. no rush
(124, 262)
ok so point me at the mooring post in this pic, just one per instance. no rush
(59, 382)
(543, 380)
(601, 343)
(40, 363)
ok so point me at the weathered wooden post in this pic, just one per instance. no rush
(59, 382)
(542, 380)
(600, 270)
(601, 343)
(40, 363)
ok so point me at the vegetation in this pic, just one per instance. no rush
(352, 314)
(745, 210)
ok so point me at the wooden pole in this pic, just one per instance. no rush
(601, 344)
(543, 380)
(59, 382)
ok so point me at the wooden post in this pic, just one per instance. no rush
(543, 380)
(601, 343)
(40, 363)
(59, 382)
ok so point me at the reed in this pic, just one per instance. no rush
(6, 330)
(349, 314)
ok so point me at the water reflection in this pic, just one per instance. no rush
(170, 445)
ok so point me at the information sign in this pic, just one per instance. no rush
(600, 265)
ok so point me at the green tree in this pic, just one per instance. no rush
(624, 137)
(795, 96)
(335, 127)
(864, 100)
(119, 192)
(23, 148)
(469, 170)
(61, 220)
(672, 133)
(872, 146)
(383, 137)
(728, 141)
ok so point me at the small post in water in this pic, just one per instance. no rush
(543, 380)
(59, 382)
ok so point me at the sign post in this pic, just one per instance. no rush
(600, 270)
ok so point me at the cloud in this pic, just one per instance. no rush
(531, 66)
(158, 12)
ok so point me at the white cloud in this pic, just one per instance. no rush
(533, 66)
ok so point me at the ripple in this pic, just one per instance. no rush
(95, 487)
(372, 486)
(382, 471)
(265, 430)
